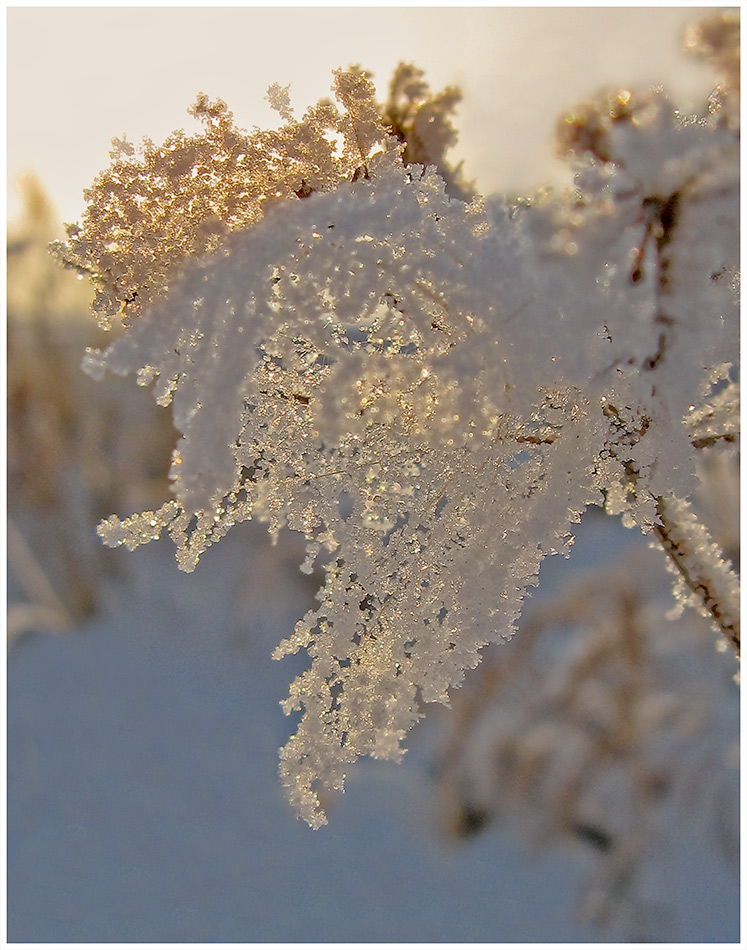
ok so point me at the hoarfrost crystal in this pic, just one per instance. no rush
(430, 390)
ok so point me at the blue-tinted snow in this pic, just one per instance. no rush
(144, 804)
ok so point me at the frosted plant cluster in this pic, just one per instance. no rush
(431, 389)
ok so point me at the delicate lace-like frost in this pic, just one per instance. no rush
(432, 391)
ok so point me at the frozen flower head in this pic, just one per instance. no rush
(431, 391)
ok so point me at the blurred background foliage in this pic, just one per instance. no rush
(609, 726)
(76, 450)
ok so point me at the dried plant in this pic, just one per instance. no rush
(73, 451)
(159, 206)
(431, 391)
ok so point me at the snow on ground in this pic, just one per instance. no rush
(144, 804)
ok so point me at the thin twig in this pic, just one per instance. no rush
(677, 541)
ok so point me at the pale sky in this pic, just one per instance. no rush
(77, 76)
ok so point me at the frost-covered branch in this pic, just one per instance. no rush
(431, 390)
(708, 580)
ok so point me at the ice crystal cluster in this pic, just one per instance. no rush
(431, 389)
